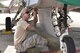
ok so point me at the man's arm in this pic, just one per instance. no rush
(32, 23)
(30, 28)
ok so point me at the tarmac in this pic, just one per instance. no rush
(7, 40)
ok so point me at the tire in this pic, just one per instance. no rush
(69, 44)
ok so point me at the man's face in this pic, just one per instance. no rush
(26, 16)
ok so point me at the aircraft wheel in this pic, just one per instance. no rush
(69, 46)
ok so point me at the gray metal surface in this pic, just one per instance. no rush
(5, 40)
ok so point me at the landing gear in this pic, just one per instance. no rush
(66, 43)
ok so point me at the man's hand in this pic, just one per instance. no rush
(34, 12)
